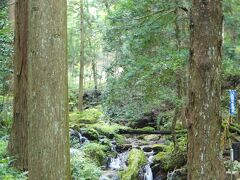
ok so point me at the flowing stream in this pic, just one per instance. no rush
(120, 163)
(148, 175)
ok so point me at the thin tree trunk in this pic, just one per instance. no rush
(177, 112)
(11, 11)
(48, 142)
(81, 74)
(203, 112)
(94, 70)
(18, 146)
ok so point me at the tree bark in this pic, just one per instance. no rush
(48, 142)
(81, 74)
(18, 146)
(11, 10)
(203, 112)
(94, 69)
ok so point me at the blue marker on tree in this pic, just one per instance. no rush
(233, 101)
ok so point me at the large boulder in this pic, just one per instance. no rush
(90, 133)
(136, 160)
(89, 116)
(151, 137)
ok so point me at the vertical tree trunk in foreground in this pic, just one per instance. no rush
(48, 141)
(81, 73)
(203, 112)
(17, 146)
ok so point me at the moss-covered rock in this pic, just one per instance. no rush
(90, 133)
(89, 116)
(96, 152)
(107, 129)
(158, 147)
(151, 137)
(147, 128)
(107, 143)
(136, 160)
(171, 158)
(120, 139)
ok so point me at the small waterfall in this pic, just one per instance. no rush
(82, 139)
(77, 136)
(119, 162)
(148, 175)
(115, 164)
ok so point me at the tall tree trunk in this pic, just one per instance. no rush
(48, 142)
(81, 74)
(18, 146)
(203, 112)
(94, 70)
(11, 10)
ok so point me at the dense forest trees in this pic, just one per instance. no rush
(106, 89)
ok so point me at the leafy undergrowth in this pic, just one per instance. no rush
(6, 171)
(84, 168)
(96, 152)
(170, 158)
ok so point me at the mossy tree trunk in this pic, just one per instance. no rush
(203, 112)
(48, 142)
(17, 146)
(81, 73)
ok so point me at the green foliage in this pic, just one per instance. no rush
(143, 73)
(136, 160)
(120, 139)
(6, 50)
(6, 171)
(235, 166)
(96, 152)
(6, 108)
(84, 168)
(172, 158)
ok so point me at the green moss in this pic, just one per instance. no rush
(107, 143)
(107, 129)
(90, 133)
(96, 152)
(136, 160)
(120, 139)
(89, 116)
(151, 137)
(159, 145)
(147, 128)
(171, 158)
